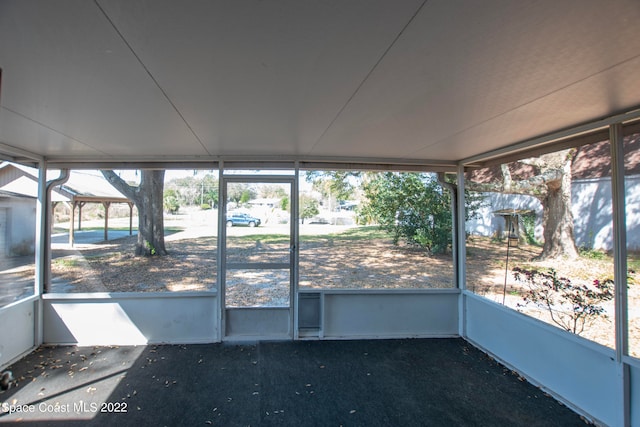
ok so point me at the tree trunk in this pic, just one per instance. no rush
(558, 219)
(151, 214)
(148, 198)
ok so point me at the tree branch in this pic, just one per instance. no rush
(130, 192)
(536, 186)
(506, 177)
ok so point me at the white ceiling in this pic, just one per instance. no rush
(393, 80)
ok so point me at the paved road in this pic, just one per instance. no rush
(89, 236)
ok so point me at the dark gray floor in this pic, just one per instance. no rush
(426, 382)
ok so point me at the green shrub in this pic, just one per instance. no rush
(170, 202)
(591, 253)
(529, 227)
(412, 207)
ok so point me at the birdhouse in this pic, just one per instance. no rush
(511, 224)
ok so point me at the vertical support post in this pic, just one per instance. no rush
(72, 221)
(106, 220)
(620, 265)
(48, 188)
(221, 257)
(80, 205)
(41, 251)
(295, 241)
(461, 259)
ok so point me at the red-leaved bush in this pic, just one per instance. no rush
(572, 307)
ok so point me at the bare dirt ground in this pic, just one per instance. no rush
(326, 261)
(191, 266)
(486, 264)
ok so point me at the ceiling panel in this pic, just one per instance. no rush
(68, 72)
(260, 77)
(613, 90)
(458, 74)
(358, 79)
(26, 134)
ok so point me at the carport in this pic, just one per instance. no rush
(80, 201)
(408, 85)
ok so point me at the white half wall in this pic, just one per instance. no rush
(387, 314)
(18, 332)
(582, 374)
(634, 389)
(130, 318)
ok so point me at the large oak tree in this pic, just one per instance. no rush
(548, 178)
(148, 198)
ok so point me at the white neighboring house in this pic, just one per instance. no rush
(18, 196)
(591, 198)
(17, 224)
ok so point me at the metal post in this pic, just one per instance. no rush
(221, 268)
(64, 177)
(506, 272)
(620, 264)
(619, 239)
(295, 241)
(41, 250)
(461, 260)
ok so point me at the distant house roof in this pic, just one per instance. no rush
(85, 185)
(264, 202)
(594, 160)
(590, 161)
(27, 187)
(92, 184)
(4, 193)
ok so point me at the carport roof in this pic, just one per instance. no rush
(386, 81)
(87, 186)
